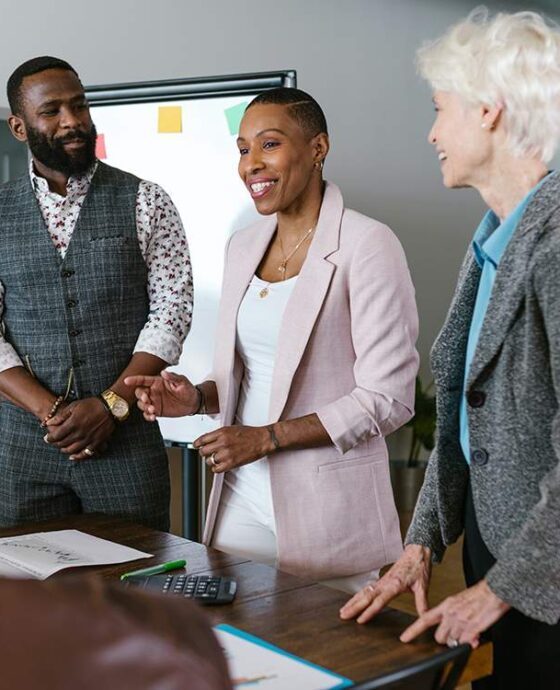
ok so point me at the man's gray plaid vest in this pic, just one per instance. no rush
(76, 320)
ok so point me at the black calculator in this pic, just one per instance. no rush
(205, 589)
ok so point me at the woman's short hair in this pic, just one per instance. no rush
(301, 106)
(508, 59)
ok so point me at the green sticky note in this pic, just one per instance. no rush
(170, 119)
(234, 115)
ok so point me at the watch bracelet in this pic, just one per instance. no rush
(106, 405)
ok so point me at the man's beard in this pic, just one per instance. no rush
(52, 154)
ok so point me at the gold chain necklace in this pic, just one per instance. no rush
(283, 264)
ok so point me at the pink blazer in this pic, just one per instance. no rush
(346, 351)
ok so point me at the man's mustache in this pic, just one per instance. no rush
(73, 136)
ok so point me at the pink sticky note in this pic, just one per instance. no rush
(100, 150)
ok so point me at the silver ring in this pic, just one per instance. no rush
(213, 460)
(89, 452)
(452, 642)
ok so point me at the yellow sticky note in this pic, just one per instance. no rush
(170, 119)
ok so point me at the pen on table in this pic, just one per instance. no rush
(155, 569)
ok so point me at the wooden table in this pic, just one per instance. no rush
(295, 614)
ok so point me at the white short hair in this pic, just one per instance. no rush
(508, 59)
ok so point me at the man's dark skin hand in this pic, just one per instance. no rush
(80, 424)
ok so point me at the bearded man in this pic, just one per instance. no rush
(95, 285)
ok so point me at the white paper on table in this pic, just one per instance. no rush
(42, 554)
(7, 570)
(258, 665)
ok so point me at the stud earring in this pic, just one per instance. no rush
(318, 165)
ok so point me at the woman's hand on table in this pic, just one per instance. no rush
(460, 618)
(168, 395)
(233, 446)
(410, 573)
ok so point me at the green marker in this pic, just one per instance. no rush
(155, 569)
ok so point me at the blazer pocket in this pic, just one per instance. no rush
(350, 462)
(352, 513)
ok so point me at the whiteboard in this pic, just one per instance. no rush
(197, 166)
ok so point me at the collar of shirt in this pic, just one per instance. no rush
(491, 237)
(78, 185)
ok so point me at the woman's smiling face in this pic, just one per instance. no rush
(460, 136)
(276, 158)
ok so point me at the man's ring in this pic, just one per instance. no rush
(89, 452)
(452, 642)
(213, 460)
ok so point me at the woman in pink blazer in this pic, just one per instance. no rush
(314, 364)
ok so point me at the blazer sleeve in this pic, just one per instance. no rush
(425, 526)
(384, 324)
(527, 572)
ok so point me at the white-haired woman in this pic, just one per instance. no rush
(495, 471)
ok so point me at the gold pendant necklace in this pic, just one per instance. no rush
(264, 292)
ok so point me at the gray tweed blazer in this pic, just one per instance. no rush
(513, 394)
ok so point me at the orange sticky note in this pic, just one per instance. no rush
(100, 150)
(170, 119)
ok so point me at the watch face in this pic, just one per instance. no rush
(120, 409)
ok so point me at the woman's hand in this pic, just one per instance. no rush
(168, 395)
(461, 618)
(410, 573)
(233, 446)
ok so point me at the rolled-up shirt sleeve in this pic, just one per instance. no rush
(164, 246)
(384, 324)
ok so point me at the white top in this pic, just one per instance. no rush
(258, 326)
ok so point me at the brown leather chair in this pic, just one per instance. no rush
(84, 633)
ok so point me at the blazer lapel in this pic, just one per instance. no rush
(509, 286)
(447, 356)
(306, 299)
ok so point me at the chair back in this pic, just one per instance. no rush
(440, 672)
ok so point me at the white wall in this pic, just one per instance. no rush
(355, 56)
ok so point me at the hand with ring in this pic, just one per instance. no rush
(211, 460)
(236, 445)
(78, 426)
(461, 618)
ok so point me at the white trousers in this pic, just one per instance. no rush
(243, 530)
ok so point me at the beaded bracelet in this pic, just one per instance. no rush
(56, 404)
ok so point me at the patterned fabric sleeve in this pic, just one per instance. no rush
(170, 288)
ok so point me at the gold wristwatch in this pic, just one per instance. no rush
(116, 405)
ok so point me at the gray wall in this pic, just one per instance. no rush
(355, 56)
